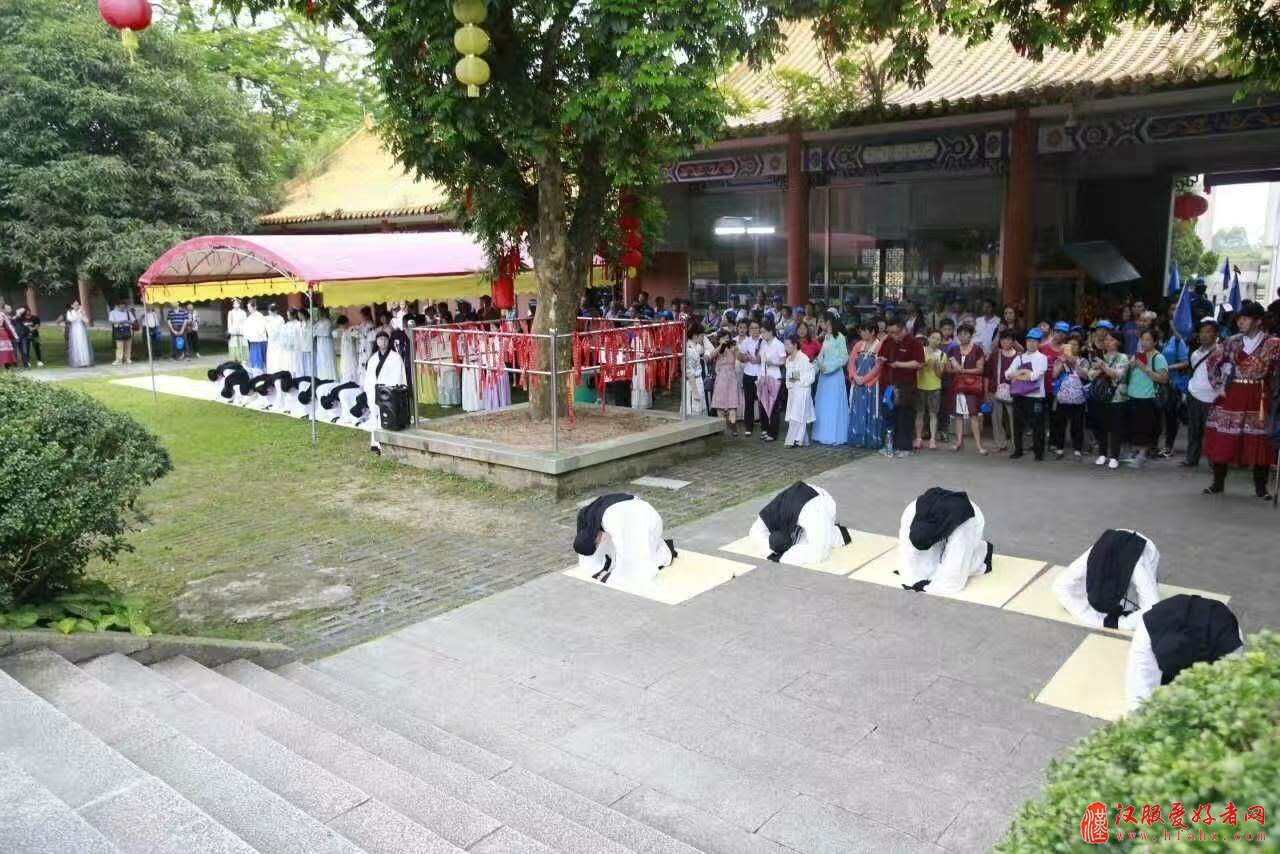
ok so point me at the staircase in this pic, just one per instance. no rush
(114, 756)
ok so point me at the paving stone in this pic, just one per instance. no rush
(34, 821)
(684, 821)
(504, 840)
(809, 825)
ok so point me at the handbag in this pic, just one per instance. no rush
(1024, 388)
(1003, 394)
(967, 384)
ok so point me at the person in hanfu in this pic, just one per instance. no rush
(385, 368)
(322, 335)
(1175, 634)
(277, 352)
(254, 329)
(1245, 372)
(619, 540)
(866, 424)
(772, 394)
(291, 340)
(798, 374)
(696, 350)
(831, 399)
(726, 393)
(941, 542)
(798, 526)
(237, 347)
(1112, 583)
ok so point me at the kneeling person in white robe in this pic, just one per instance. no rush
(619, 540)
(385, 368)
(1175, 634)
(798, 526)
(1111, 584)
(941, 543)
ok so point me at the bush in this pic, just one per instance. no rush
(71, 471)
(1210, 737)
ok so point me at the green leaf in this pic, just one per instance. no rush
(67, 625)
(107, 621)
(23, 619)
(86, 625)
(139, 628)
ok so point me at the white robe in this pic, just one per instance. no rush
(349, 353)
(949, 563)
(277, 355)
(346, 402)
(818, 532)
(79, 350)
(632, 539)
(291, 339)
(326, 368)
(392, 374)
(695, 385)
(1142, 673)
(798, 371)
(1143, 591)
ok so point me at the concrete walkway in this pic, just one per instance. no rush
(138, 368)
(790, 709)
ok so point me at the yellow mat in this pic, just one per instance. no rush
(1092, 681)
(1037, 600)
(844, 559)
(690, 574)
(1007, 577)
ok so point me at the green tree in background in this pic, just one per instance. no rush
(104, 162)
(1189, 252)
(305, 78)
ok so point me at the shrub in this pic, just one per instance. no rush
(71, 471)
(1212, 736)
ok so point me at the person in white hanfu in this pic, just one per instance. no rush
(941, 542)
(696, 348)
(1112, 583)
(619, 540)
(348, 346)
(1174, 634)
(385, 368)
(292, 341)
(798, 373)
(237, 346)
(277, 355)
(322, 334)
(798, 526)
(365, 337)
(255, 335)
(79, 351)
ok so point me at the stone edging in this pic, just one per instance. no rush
(210, 652)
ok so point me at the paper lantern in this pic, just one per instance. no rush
(132, 15)
(632, 240)
(631, 258)
(1189, 206)
(471, 40)
(629, 222)
(472, 72)
(470, 11)
(504, 293)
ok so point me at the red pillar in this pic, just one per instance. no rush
(1019, 213)
(797, 223)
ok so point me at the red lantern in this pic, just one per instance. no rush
(629, 222)
(631, 258)
(632, 240)
(504, 293)
(126, 14)
(1190, 206)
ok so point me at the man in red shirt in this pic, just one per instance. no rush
(902, 355)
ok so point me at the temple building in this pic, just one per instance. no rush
(1036, 184)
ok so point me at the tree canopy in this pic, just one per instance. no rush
(106, 162)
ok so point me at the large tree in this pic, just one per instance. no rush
(105, 161)
(588, 100)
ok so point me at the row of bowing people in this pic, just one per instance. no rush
(333, 401)
(942, 543)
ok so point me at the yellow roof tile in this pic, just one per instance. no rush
(359, 180)
(992, 69)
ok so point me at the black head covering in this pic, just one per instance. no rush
(780, 516)
(236, 378)
(590, 521)
(329, 398)
(215, 373)
(1109, 571)
(938, 512)
(1185, 629)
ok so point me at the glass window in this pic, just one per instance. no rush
(737, 244)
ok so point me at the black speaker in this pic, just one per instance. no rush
(393, 406)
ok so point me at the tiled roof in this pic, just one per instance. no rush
(360, 180)
(992, 75)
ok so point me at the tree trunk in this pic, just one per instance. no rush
(560, 271)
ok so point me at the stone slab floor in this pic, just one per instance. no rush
(793, 710)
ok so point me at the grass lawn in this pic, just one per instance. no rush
(251, 503)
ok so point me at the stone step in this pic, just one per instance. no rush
(452, 817)
(258, 816)
(34, 821)
(364, 820)
(583, 776)
(546, 812)
(134, 811)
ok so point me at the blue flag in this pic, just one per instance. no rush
(1175, 281)
(1234, 297)
(1183, 323)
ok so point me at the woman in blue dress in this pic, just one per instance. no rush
(831, 400)
(866, 426)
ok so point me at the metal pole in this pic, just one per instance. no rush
(151, 363)
(412, 375)
(684, 372)
(555, 395)
(311, 308)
